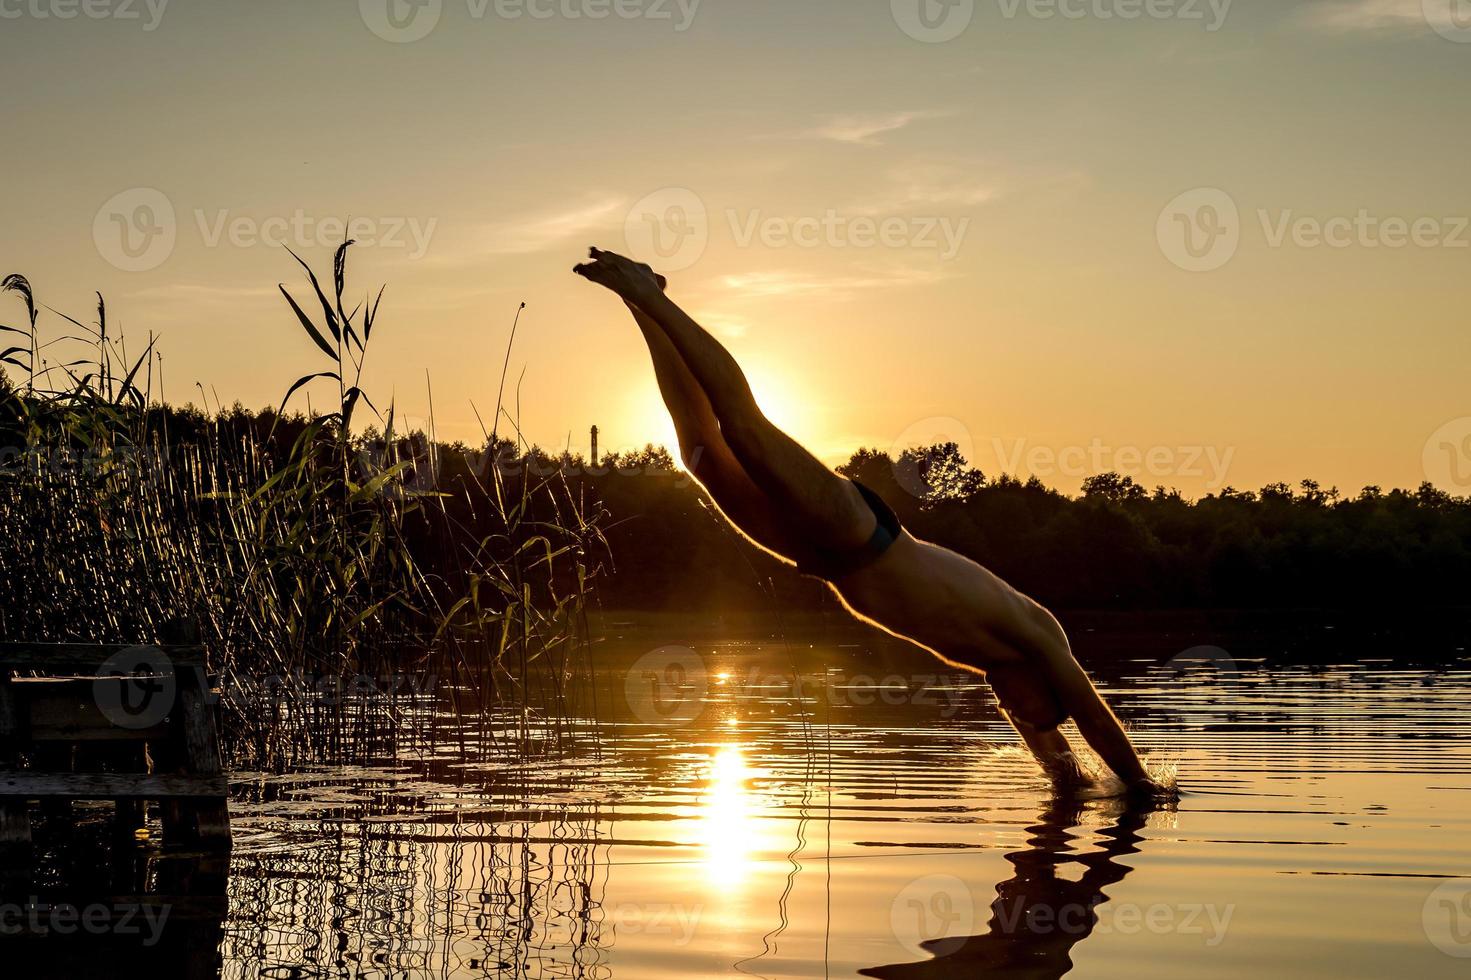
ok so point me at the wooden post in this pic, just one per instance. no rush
(15, 817)
(210, 818)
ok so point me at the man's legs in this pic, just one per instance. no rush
(803, 493)
(703, 447)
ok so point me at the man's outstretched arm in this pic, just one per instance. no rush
(1096, 722)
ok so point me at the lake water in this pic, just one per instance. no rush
(823, 802)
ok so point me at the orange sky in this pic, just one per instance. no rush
(1219, 250)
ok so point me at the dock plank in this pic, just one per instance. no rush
(89, 656)
(88, 785)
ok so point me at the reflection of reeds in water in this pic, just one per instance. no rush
(437, 898)
(338, 579)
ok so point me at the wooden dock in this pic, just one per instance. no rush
(123, 723)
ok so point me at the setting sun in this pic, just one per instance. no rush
(784, 400)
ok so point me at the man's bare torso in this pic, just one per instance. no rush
(960, 611)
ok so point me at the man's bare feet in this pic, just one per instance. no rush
(629, 279)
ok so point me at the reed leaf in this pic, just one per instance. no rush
(306, 323)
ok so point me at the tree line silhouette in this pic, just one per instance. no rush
(1116, 545)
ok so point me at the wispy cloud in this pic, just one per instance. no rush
(865, 129)
(534, 233)
(928, 185)
(938, 186)
(774, 284)
(1365, 16)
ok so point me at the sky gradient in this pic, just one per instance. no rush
(1218, 245)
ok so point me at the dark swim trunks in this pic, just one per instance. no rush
(830, 565)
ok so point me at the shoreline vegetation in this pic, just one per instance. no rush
(300, 546)
(341, 596)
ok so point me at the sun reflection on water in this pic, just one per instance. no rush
(728, 817)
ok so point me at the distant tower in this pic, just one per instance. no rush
(594, 445)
